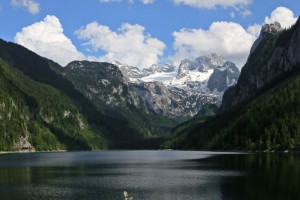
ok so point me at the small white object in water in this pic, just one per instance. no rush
(126, 196)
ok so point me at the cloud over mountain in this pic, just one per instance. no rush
(129, 44)
(283, 15)
(48, 39)
(225, 38)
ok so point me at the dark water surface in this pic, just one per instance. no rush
(149, 175)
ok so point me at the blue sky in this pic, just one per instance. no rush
(140, 32)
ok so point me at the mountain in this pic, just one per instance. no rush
(274, 55)
(262, 110)
(43, 109)
(35, 115)
(182, 91)
(106, 87)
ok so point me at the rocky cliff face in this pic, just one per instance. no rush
(102, 82)
(171, 101)
(266, 31)
(223, 77)
(183, 71)
(274, 55)
(158, 69)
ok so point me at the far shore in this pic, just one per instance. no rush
(30, 151)
(204, 150)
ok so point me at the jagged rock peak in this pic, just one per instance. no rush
(223, 77)
(183, 69)
(266, 31)
(129, 71)
(205, 63)
(157, 69)
(83, 64)
(272, 28)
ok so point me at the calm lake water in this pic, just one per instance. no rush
(149, 175)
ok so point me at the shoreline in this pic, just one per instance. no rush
(204, 150)
(31, 151)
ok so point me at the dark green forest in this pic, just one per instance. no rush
(270, 122)
(39, 112)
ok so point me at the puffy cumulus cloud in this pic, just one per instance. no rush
(282, 15)
(129, 1)
(228, 39)
(212, 3)
(32, 6)
(129, 44)
(47, 39)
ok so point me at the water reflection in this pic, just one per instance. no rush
(150, 175)
(269, 176)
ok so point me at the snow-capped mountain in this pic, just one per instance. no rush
(184, 90)
(109, 88)
(210, 74)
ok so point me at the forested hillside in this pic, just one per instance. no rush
(37, 116)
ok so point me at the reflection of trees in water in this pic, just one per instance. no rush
(15, 175)
(269, 176)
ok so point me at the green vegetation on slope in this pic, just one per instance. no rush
(50, 74)
(42, 115)
(272, 121)
(61, 115)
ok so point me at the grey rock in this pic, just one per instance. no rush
(266, 31)
(223, 77)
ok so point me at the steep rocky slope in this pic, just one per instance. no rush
(274, 56)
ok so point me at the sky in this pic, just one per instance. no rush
(141, 32)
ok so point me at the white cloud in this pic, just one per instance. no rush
(129, 1)
(254, 29)
(282, 15)
(47, 39)
(31, 5)
(228, 39)
(148, 1)
(245, 12)
(212, 3)
(129, 44)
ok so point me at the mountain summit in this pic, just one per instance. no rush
(191, 85)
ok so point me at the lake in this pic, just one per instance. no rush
(147, 175)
